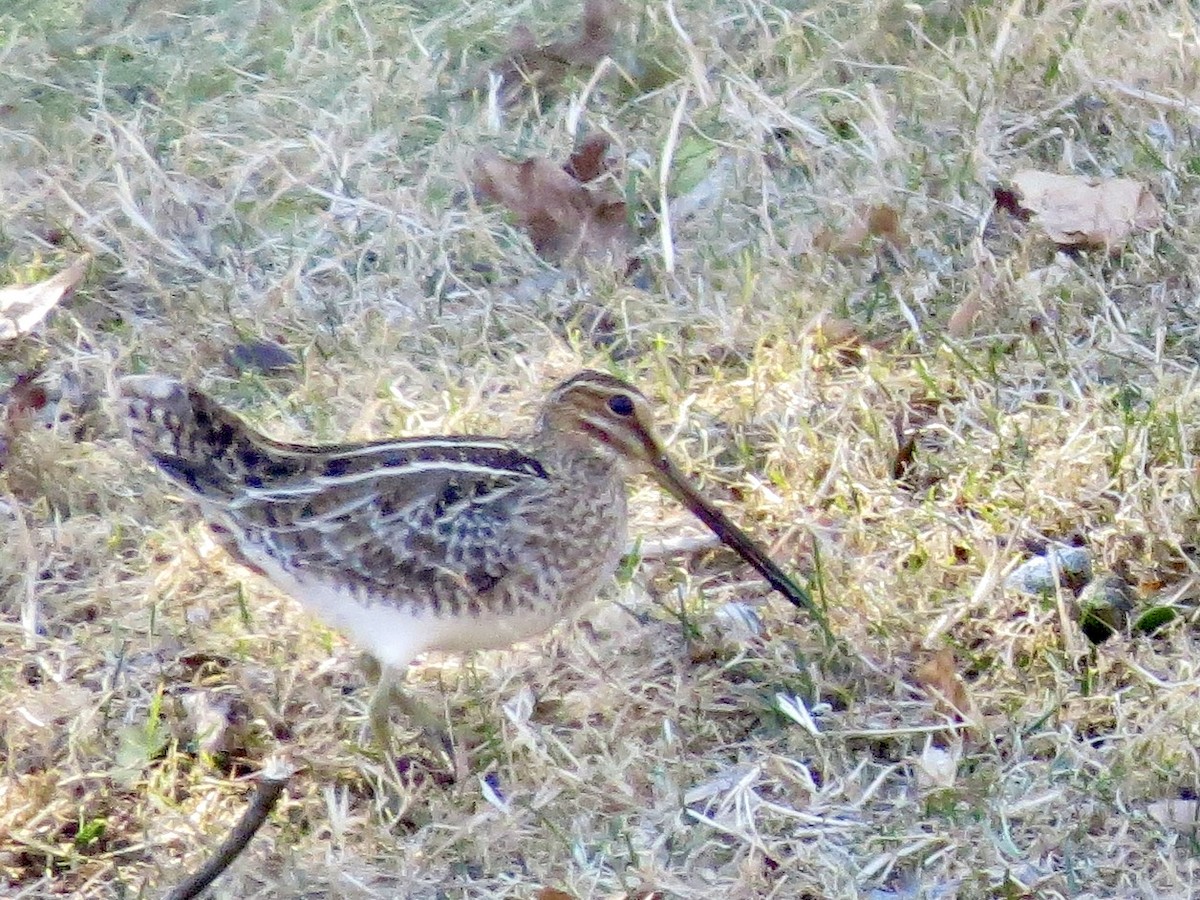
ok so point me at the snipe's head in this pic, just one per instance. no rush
(602, 411)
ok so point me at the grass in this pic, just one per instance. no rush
(298, 172)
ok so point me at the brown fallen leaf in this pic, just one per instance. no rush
(842, 340)
(962, 320)
(564, 218)
(21, 405)
(883, 221)
(909, 424)
(22, 307)
(1009, 201)
(939, 676)
(1087, 212)
(839, 337)
(879, 221)
(549, 893)
(590, 159)
(528, 66)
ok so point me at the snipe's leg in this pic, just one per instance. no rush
(389, 693)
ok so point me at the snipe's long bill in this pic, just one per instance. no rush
(430, 543)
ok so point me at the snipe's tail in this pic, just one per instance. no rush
(199, 445)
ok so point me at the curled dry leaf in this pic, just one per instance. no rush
(530, 66)
(1087, 212)
(563, 217)
(879, 221)
(939, 675)
(549, 893)
(22, 307)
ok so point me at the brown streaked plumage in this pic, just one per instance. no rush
(436, 543)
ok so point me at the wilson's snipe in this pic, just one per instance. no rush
(434, 543)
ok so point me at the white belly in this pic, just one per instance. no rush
(396, 634)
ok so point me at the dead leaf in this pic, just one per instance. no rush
(589, 161)
(939, 676)
(884, 222)
(549, 893)
(528, 66)
(962, 320)
(1087, 212)
(563, 217)
(842, 339)
(21, 405)
(22, 307)
(839, 337)
(921, 440)
(879, 221)
(1007, 200)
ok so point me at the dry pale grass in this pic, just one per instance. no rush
(297, 171)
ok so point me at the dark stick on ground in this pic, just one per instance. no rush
(275, 777)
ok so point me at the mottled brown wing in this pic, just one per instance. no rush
(421, 535)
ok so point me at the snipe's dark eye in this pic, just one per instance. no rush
(621, 404)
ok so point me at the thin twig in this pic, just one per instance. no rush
(275, 777)
(664, 181)
(695, 60)
(1152, 98)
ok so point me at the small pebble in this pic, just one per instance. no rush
(267, 357)
(1070, 567)
(1104, 607)
(738, 622)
